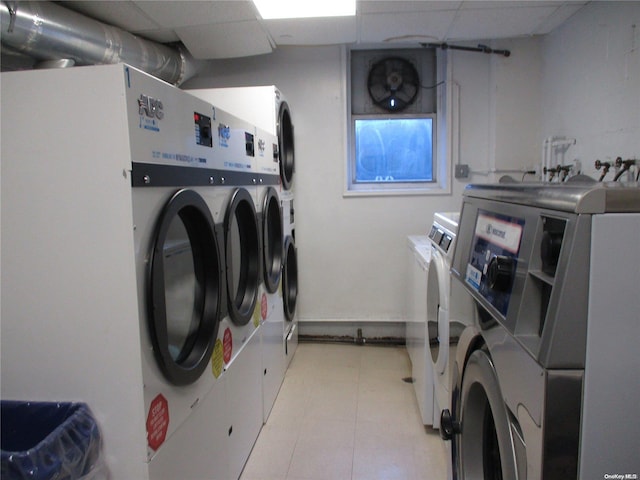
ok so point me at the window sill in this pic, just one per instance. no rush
(391, 192)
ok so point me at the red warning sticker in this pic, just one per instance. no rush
(227, 345)
(157, 422)
(264, 307)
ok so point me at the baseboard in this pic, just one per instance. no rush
(354, 332)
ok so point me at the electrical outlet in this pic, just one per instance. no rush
(462, 171)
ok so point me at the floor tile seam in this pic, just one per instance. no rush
(295, 444)
(355, 420)
(306, 395)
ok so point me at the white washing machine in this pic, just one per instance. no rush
(442, 308)
(271, 306)
(116, 257)
(553, 273)
(417, 338)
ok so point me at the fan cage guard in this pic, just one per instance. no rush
(393, 83)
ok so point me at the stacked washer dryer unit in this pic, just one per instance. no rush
(271, 308)
(218, 164)
(130, 196)
(286, 145)
(267, 108)
(545, 376)
(238, 348)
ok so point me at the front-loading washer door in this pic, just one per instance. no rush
(438, 311)
(290, 279)
(286, 145)
(184, 288)
(242, 245)
(272, 240)
(485, 444)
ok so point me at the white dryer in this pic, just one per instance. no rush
(439, 305)
(417, 338)
(265, 107)
(111, 192)
(290, 290)
(271, 306)
(176, 187)
(268, 109)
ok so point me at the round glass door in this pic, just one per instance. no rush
(272, 240)
(290, 279)
(243, 256)
(286, 146)
(184, 288)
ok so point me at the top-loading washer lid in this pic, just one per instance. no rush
(184, 290)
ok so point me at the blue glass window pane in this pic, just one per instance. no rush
(394, 150)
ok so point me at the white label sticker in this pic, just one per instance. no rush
(500, 233)
(473, 276)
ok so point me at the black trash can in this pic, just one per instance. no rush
(49, 441)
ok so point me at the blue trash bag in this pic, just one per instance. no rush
(49, 441)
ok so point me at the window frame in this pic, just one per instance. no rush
(441, 141)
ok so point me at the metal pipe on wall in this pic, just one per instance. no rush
(48, 32)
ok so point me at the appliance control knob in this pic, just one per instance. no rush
(500, 273)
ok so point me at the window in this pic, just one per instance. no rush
(393, 123)
(393, 149)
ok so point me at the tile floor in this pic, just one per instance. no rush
(344, 412)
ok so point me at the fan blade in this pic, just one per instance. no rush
(379, 92)
(406, 93)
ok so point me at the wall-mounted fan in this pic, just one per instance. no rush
(393, 83)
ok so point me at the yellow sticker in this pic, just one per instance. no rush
(256, 315)
(216, 359)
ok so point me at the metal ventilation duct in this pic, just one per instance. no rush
(50, 33)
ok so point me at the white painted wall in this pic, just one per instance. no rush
(351, 251)
(591, 83)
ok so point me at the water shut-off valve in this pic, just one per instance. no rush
(620, 164)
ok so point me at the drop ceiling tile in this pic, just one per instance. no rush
(503, 22)
(124, 14)
(485, 4)
(312, 31)
(183, 13)
(417, 26)
(403, 6)
(225, 40)
(561, 15)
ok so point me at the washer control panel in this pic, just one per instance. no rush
(204, 135)
(440, 238)
(494, 257)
